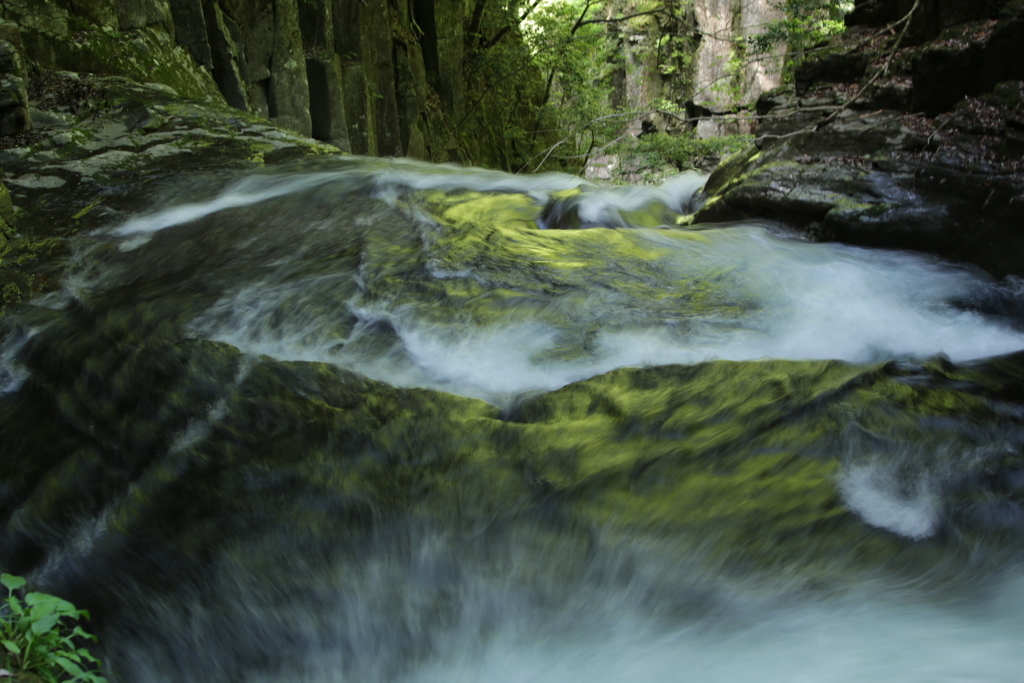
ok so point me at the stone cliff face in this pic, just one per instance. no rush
(695, 59)
(368, 76)
(918, 145)
(721, 81)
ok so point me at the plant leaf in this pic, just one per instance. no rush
(45, 624)
(82, 633)
(12, 583)
(51, 603)
(40, 608)
(11, 647)
(67, 665)
(15, 604)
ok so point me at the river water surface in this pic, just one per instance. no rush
(392, 422)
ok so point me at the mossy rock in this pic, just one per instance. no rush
(147, 55)
(737, 462)
(730, 170)
(6, 219)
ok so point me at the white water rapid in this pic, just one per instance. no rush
(241, 437)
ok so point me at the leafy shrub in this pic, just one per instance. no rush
(38, 636)
(804, 24)
(682, 150)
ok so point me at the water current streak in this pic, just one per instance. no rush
(391, 422)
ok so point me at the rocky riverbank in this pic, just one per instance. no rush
(929, 156)
(102, 148)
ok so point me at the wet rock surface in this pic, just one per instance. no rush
(185, 438)
(927, 158)
(341, 411)
(107, 147)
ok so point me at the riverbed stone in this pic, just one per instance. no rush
(98, 169)
(38, 182)
(42, 120)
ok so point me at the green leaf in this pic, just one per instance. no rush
(40, 608)
(45, 624)
(15, 604)
(67, 665)
(12, 583)
(82, 633)
(51, 603)
(11, 647)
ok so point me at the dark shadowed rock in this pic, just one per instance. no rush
(327, 102)
(874, 171)
(190, 29)
(834, 68)
(14, 106)
(227, 59)
(6, 219)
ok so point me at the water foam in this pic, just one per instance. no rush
(12, 373)
(909, 643)
(432, 615)
(676, 193)
(779, 299)
(870, 493)
(813, 302)
(763, 296)
(387, 177)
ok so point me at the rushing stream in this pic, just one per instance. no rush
(381, 421)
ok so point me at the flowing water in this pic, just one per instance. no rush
(384, 421)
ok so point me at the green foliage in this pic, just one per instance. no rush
(806, 23)
(683, 151)
(504, 88)
(578, 61)
(676, 53)
(578, 50)
(38, 635)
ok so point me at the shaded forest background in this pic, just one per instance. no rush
(521, 85)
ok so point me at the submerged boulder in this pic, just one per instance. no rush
(250, 400)
(161, 458)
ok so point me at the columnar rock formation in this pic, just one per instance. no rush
(371, 76)
(698, 58)
(723, 78)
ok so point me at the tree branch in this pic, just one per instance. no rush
(615, 20)
(487, 45)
